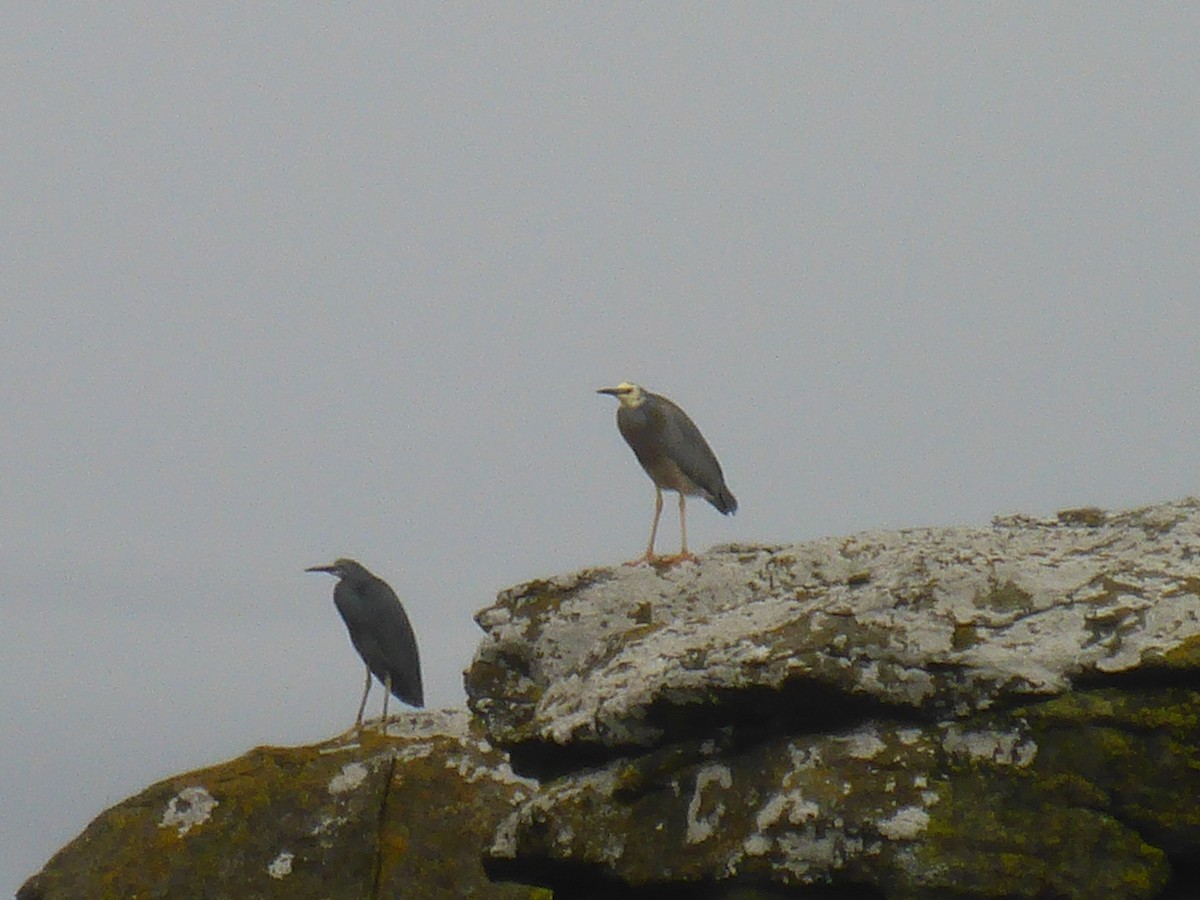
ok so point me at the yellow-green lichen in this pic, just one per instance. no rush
(965, 636)
(1006, 837)
(274, 801)
(1006, 596)
(1087, 516)
(1185, 655)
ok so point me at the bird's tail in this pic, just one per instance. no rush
(724, 501)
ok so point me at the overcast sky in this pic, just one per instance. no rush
(281, 284)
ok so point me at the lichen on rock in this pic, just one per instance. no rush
(379, 816)
(1003, 711)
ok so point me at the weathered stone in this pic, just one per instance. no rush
(925, 623)
(397, 816)
(1087, 795)
(1001, 712)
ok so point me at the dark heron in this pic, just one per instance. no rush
(674, 454)
(380, 632)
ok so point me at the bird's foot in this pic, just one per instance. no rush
(663, 562)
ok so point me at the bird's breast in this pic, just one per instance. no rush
(668, 476)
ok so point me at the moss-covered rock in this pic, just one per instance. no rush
(402, 815)
(1091, 794)
(961, 712)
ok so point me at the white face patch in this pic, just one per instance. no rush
(630, 395)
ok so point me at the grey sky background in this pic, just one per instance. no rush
(283, 284)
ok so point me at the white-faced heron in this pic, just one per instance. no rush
(674, 454)
(380, 632)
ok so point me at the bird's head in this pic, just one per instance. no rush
(630, 395)
(342, 568)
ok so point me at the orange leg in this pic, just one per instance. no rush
(683, 525)
(683, 552)
(649, 556)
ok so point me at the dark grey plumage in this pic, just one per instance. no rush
(673, 452)
(380, 632)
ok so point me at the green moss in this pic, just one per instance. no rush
(500, 674)
(1109, 793)
(1174, 709)
(1075, 790)
(1186, 585)
(643, 613)
(629, 636)
(1006, 596)
(643, 774)
(536, 604)
(1103, 794)
(1088, 516)
(965, 635)
(1184, 656)
(992, 837)
(441, 810)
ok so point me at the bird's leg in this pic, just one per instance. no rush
(683, 552)
(658, 505)
(387, 692)
(654, 524)
(683, 525)
(363, 705)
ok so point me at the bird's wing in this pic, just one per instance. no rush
(689, 449)
(383, 636)
(399, 646)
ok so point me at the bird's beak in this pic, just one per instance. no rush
(615, 392)
(330, 569)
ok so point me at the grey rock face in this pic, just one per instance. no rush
(949, 712)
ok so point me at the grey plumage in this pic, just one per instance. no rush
(380, 632)
(673, 452)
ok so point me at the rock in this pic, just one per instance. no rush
(396, 816)
(958, 712)
(1087, 795)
